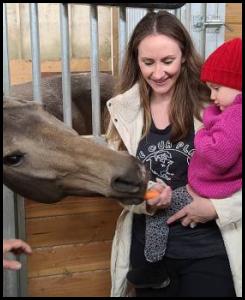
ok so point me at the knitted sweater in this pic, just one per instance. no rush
(215, 169)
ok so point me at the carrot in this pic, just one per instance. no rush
(151, 194)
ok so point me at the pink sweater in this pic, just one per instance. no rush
(215, 170)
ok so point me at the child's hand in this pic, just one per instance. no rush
(159, 196)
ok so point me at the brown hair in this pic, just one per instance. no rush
(190, 93)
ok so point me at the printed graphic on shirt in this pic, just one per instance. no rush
(161, 158)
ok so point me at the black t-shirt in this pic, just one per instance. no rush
(169, 162)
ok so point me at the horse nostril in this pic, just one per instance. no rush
(133, 182)
(122, 184)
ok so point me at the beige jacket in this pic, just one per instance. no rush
(127, 116)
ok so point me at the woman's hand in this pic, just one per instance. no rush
(201, 210)
(17, 247)
(163, 200)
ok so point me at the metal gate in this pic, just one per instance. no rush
(204, 21)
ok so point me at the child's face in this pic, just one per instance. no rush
(221, 95)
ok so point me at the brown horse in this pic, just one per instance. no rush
(45, 160)
(51, 88)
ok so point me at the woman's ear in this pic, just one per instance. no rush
(182, 60)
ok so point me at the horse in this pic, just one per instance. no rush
(51, 90)
(45, 160)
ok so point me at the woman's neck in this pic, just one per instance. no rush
(155, 97)
(160, 110)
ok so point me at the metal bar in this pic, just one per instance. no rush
(35, 50)
(187, 19)
(141, 5)
(114, 41)
(95, 81)
(6, 73)
(203, 32)
(21, 234)
(10, 278)
(122, 34)
(178, 13)
(65, 53)
(15, 283)
(133, 17)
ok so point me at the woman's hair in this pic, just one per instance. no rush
(189, 94)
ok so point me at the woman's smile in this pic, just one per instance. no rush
(161, 82)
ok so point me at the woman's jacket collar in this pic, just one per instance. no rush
(126, 106)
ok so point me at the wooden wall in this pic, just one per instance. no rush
(233, 19)
(71, 242)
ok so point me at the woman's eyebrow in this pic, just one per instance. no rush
(165, 57)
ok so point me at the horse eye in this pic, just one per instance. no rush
(13, 160)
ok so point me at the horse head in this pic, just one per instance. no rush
(45, 160)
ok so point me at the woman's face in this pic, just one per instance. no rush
(160, 59)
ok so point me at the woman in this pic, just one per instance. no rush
(154, 117)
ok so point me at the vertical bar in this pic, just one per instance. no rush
(178, 13)
(221, 14)
(133, 16)
(21, 234)
(6, 73)
(95, 83)
(65, 53)
(186, 16)
(10, 278)
(114, 41)
(122, 34)
(15, 283)
(35, 50)
(203, 32)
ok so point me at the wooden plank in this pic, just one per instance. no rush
(70, 205)
(80, 228)
(233, 13)
(86, 284)
(69, 259)
(21, 70)
(233, 19)
(236, 32)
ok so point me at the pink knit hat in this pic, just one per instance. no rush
(224, 65)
